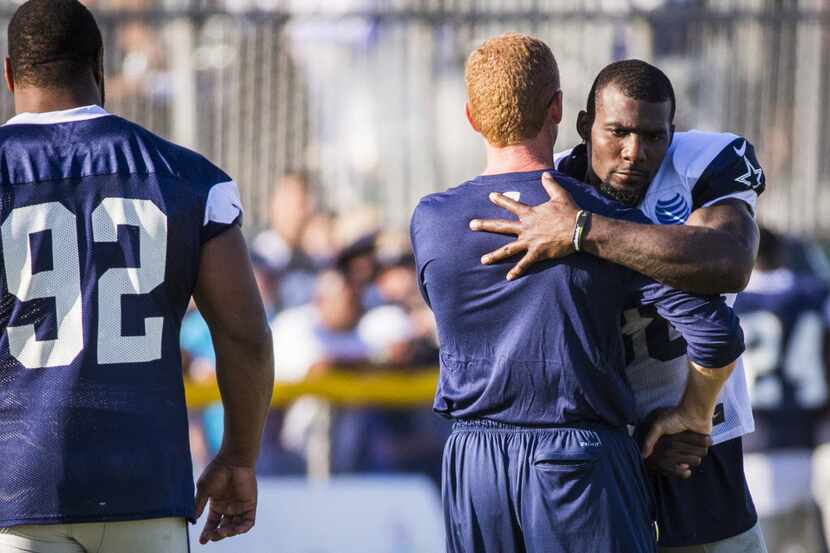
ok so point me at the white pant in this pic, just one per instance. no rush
(779, 480)
(159, 535)
(751, 541)
(821, 483)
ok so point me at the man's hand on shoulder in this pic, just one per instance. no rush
(232, 494)
(542, 232)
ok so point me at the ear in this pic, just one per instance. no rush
(671, 134)
(555, 111)
(583, 126)
(9, 74)
(470, 118)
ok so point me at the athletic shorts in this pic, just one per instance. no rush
(575, 489)
(158, 535)
(712, 505)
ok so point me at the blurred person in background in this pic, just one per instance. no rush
(315, 338)
(401, 328)
(108, 231)
(786, 322)
(292, 205)
(318, 240)
(358, 262)
(142, 71)
(383, 440)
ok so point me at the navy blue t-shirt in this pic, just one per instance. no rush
(102, 224)
(546, 348)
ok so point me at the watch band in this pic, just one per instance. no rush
(583, 223)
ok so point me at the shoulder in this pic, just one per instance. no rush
(691, 152)
(572, 162)
(209, 183)
(717, 166)
(180, 161)
(560, 157)
(699, 155)
(433, 205)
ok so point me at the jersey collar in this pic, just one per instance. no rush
(64, 116)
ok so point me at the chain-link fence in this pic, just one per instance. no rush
(367, 95)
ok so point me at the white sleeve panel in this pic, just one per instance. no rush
(695, 150)
(223, 204)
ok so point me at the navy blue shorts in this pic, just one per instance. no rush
(712, 505)
(509, 489)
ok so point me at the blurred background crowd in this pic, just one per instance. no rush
(341, 295)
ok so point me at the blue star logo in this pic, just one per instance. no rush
(752, 172)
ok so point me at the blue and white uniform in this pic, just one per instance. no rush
(534, 371)
(101, 224)
(785, 320)
(700, 169)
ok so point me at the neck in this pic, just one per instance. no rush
(41, 100)
(532, 155)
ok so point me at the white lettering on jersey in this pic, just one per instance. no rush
(62, 282)
(113, 347)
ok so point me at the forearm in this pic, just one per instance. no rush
(693, 258)
(245, 374)
(701, 394)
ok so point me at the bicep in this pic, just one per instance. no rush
(226, 292)
(732, 216)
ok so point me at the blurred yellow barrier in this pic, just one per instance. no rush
(377, 389)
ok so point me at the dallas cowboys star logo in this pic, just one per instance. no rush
(751, 170)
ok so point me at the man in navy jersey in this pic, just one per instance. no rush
(710, 182)
(785, 319)
(532, 370)
(106, 231)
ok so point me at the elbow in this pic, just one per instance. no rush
(734, 274)
(264, 344)
(735, 282)
(253, 342)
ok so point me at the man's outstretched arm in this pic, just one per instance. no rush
(227, 295)
(712, 253)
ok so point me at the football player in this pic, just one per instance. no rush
(784, 317)
(699, 190)
(540, 460)
(106, 231)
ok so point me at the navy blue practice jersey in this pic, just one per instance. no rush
(547, 347)
(101, 224)
(784, 318)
